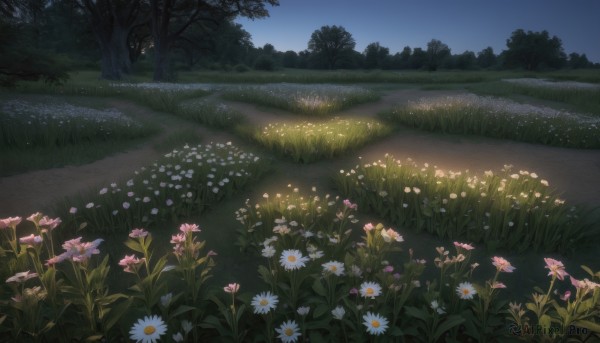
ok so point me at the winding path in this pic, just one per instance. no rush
(574, 173)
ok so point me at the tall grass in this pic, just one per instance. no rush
(512, 210)
(43, 134)
(498, 118)
(307, 142)
(317, 100)
(586, 100)
(210, 113)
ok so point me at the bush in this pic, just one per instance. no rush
(241, 68)
(264, 63)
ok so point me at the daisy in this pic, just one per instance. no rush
(463, 245)
(502, 265)
(292, 259)
(370, 289)
(375, 323)
(148, 330)
(268, 251)
(303, 310)
(264, 302)
(333, 267)
(288, 331)
(465, 290)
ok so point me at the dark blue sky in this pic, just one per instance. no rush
(461, 24)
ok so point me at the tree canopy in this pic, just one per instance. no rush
(331, 44)
(532, 50)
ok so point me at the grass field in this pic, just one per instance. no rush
(423, 253)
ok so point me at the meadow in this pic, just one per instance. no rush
(205, 244)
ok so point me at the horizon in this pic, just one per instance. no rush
(396, 25)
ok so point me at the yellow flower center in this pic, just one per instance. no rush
(333, 268)
(465, 291)
(148, 330)
(292, 258)
(370, 291)
(375, 323)
(288, 332)
(264, 302)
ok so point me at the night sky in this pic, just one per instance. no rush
(461, 24)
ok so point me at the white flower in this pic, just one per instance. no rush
(465, 290)
(154, 211)
(375, 323)
(264, 302)
(165, 300)
(89, 205)
(406, 189)
(436, 307)
(148, 330)
(333, 267)
(303, 310)
(268, 251)
(126, 205)
(178, 337)
(544, 182)
(370, 289)
(453, 196)
(292, 259)
(338, 312)
(288, 331)
(73, 210)
(103, 191)
(187, 326)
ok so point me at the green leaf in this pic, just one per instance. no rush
(450, 322)
(319, 288)
(134, 245)
(182, 309)
(417, 313)
(588, 270)
(320, 310)
(117, 312)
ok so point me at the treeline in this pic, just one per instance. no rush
(43, 38)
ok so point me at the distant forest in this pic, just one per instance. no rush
(45, 39)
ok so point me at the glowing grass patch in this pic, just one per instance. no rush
(183, 183)
(513, 210)
(307, 142)
(318, 100)
(499, 118)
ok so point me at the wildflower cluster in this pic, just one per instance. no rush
(307, 142)
(319, 100)
(185, 181)
(516, 210)
(499, 118)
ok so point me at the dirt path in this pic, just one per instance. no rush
(575, 173)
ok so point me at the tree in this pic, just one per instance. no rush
(331, 44)
(376, 56)
(466, 60)
(531, 50)
(20, 60)
(418, 59)
(290, 59)
(171, 18)
(577, 61)
(486, 57)
(436, 53)
(112, 22)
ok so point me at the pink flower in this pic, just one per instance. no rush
(231, 288)
(56, 259)
(566, 296)
(211, 253)
(80, 252)
(354, 291)
(390, 235)
(496, 285)
(31, 240)
(137, 233)
(388, 269)
(21, 277)
(35, 218)
(10, 222)
(178, 239)
(350, 205)
(185, 228)
(502, 265)
(556, 268)
(464, 246)
(130, 263)
(368, 227)
(48, 223)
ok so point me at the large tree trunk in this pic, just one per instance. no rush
(115, 59)
(161, 63)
